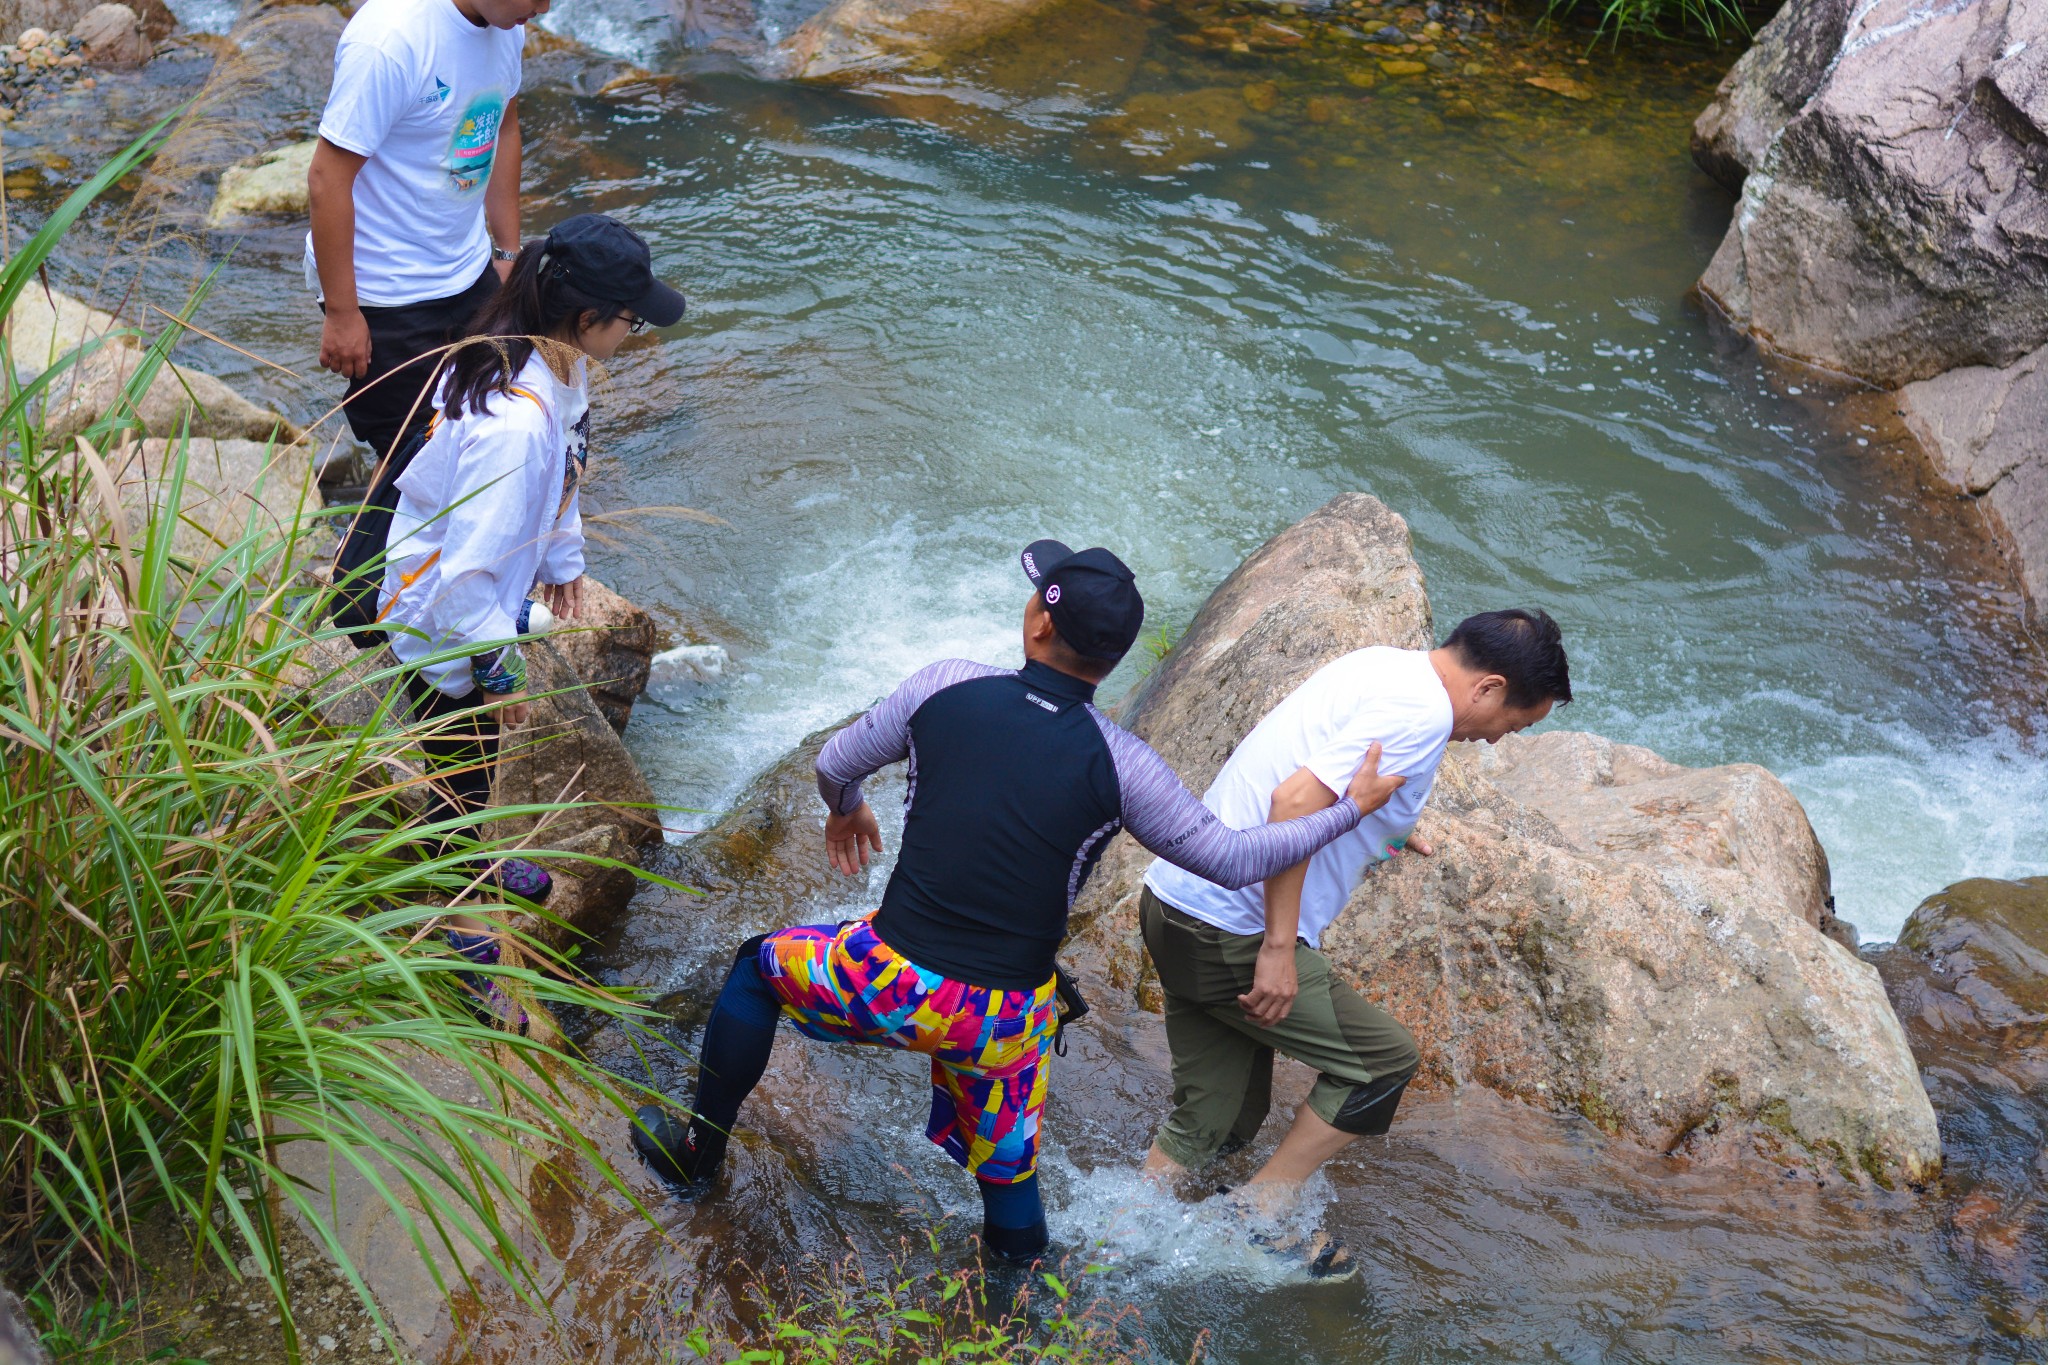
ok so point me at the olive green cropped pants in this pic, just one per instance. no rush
(1223, 1062)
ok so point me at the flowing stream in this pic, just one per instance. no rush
(932, 322)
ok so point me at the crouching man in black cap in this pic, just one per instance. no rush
(1017, 782)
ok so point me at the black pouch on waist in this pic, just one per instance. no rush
(1068, 1006)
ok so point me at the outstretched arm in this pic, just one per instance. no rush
(1164, 816)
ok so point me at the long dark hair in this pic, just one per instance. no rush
(535, 301)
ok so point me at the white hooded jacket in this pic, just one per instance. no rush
(490, 506)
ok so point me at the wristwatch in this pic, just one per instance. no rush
(499, 253)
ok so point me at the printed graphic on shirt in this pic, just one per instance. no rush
(579, 456)
(439, 94)
(475, 144)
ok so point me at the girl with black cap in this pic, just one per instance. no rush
(489, 510)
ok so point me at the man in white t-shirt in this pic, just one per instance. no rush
(1240, 970)
(415, 195)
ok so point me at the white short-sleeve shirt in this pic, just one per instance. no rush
(1390, 695)
(421, 91)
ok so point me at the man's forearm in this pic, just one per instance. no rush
(501, 196)
(1283, 906)
(1299, 795)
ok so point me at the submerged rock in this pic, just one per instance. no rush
(1600, 931)
(273, 183)
(1170, 130)
(849, 39)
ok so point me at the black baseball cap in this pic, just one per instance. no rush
(608, 260)
(1092, 597)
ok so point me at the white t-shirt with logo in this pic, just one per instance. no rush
(420, 91)
(1390, 695)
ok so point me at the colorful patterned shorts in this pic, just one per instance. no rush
(840, 983)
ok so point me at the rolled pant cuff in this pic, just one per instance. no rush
(1184, 1152)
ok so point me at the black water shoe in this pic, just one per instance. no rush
(671, 1151)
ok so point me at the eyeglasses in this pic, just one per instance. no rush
(636, 326)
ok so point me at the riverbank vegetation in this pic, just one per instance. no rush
(1669, 20)
(221, 978)
(906, 1311)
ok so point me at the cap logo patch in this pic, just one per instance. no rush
(1030, 564)
(1052, 594)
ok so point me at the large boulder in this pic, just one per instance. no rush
(1969, 977)
(1986, 431)
(1895, 226)
(853, 39)
(113, 36)
(1768, 84)
(230, 488)
(45, 325)
(20, 1344)
(64, 16)
(609, 647)
(1598, 932)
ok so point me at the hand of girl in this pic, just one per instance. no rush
(565, 600)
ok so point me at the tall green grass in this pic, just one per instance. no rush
(219, 952)
(1666, 19)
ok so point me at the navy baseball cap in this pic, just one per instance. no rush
(1092, 597)
(608, 260)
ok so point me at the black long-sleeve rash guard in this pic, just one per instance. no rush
(1017, 782)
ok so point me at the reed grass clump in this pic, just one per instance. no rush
(221, 976)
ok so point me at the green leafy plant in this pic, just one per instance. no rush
(222, 985)
(909, 1311)
(102, 1332)
(1667, 19)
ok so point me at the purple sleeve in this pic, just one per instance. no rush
(1163, 815)
(882, 736)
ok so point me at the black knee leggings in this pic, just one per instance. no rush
(462, 751)
(737, 1043)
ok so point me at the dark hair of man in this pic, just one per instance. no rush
(1524, 647)
(536, 300)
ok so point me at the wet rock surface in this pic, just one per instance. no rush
(1969, 977)
(1599, 932)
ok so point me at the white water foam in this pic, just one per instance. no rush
(1912, 815)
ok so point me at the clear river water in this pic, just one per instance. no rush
(1087, 288)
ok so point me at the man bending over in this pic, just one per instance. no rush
(1238, 964)
(1016, 784)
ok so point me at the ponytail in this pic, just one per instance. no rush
(536, 301)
